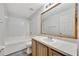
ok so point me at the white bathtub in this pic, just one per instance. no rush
(14, 44)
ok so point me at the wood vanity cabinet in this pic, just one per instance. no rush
(34, 48)
(39, 49)
(54, 53)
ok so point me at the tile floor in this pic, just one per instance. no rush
(19, 53)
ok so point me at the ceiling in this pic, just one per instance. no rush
(22, 9)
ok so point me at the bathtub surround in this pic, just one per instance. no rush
(15, 26)
(17, 34)
(15, 23)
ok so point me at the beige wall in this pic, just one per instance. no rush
(35, 22)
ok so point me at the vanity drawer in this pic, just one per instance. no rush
(54, 53)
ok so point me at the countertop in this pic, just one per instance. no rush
(64, 47)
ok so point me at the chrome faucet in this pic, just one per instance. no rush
(50, 37)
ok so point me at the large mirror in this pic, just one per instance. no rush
(60, 20)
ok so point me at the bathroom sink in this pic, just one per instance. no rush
(48, 40)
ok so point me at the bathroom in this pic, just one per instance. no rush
(22, 29)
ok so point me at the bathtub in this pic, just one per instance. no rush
(14, 44)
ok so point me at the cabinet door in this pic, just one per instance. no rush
(34, 44)
(54, 53)
(41, 50)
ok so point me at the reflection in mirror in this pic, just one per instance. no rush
(60, 21)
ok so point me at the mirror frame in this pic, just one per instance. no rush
(75, 23)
